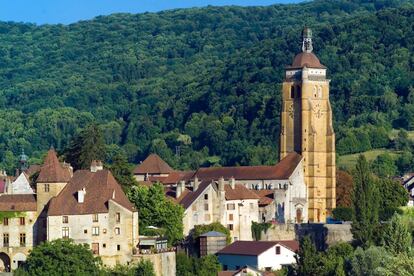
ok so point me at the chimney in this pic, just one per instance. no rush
(196, 182)
(221, 184)
(81, 195)
(233, 183)
(96, 165)
(180, 188)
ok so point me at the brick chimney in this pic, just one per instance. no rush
(180, 188)
(233, 183)
(221, 184)
(196, 183)
(96, 165)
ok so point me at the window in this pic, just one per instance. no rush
(206, 196)
(118, 217)
(95, 231)
(5, 221)
(231, 217)
(65, 219)
(65, 232)
(6, 239)
(117, 231)
(22, 239)
(231, 206)
(85, 231)
(277, 250)
(225, 267)
(230, 227)
(104, 245)
(292, 92)
(22, 221)
(95, 218)
(206, 207)
(95, 248)
(118, 247)
(47, 188)
(251, 206)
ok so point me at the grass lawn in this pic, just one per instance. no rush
(348, 161)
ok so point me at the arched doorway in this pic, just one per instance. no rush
(4, 262)
(298, 215)
(18, 260)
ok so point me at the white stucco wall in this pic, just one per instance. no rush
(269, 258)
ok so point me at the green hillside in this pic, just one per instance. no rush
(203, 82)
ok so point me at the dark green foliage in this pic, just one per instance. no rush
(369, 261)
(342, 213)
(257, 229)
(308, 259)
(148, 79)
(145, 268)
(205, 266)
(62, 257)
(396, 237)
(156, 210)
(122, 172)
(365, 203)
(215, 226)
(86, 146)
(384, 166)
(392, 196)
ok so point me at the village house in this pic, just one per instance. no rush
(88, 206)
(261, 255)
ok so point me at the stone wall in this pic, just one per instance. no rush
(279, 232)
(164, 263)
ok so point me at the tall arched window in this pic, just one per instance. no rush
(292, 92)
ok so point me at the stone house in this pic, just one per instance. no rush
(152, 166)
(88, 206)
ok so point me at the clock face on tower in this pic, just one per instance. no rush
(317, 110)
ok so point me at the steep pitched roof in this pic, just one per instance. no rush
(100, 187)
(173, 177)
(18, 203)
(266, 196)
(52, 171)
(239, 192)
(190, 197)
(153, 164)
(282, 170)
(255, 248)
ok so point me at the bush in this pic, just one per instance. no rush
(386, 213)
(342, 213)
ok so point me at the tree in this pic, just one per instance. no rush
(395, 237)
(88, 145)
(308, 259)
(384, 166)
(204, 266)
(145, 268)
(365, 204)
(62, 257)
(370, 261)
(156, 210)
(335, 258)
(344, 187)
(392, 196)
(121, 170)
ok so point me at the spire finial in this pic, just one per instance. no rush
(307, 40)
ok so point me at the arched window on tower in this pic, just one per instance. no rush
(320, 92)
(298, 91)
(292, 92)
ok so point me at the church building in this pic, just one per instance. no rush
(306, 127)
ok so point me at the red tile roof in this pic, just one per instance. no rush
(239, 192)
(52, 171)
(153, 165)
(173, 178)
(18, 203)
(192, 196)
(266, 196)
(310, 60)
(282, 170)
(100, 187)
(255, 248)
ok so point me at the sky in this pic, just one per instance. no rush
(70, 11)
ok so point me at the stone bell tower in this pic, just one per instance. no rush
(306, 127)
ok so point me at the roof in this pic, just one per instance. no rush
(32, 170)
(100, 186)
(309, 60)
(239, 192)
(18, 203)
(52, 171)
(255, 248)
(213, 234)
(173, 177)
(266, 196)
(190, 197)
(153, 164)
(282, 170)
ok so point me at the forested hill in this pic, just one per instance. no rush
(204, 81)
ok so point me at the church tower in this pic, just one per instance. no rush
(306, 127)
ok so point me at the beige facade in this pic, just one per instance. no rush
(306, 128)
(111, 235)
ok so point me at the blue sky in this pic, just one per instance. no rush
(69, 11)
